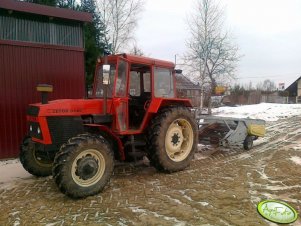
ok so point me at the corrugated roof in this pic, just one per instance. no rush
(45, 10)
(185, 83)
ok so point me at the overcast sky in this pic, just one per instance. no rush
(268, 33)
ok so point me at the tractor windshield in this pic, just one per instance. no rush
(99, 91)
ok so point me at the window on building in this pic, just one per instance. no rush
(39, 29)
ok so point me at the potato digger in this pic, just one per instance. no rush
(133, 106)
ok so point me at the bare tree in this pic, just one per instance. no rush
(120, 20)
(136, 50)
(267, 85)
(211, 54)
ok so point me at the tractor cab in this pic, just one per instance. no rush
(130, 85)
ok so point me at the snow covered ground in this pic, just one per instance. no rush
(141, 195)
(265, 111)
(12, 170)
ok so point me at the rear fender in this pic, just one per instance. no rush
(158, 103)
(110, 135)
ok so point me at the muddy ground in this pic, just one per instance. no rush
(221, 187)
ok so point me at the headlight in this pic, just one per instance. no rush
(35, 130)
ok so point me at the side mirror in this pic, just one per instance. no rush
(106, 74)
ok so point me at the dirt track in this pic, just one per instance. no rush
(222, 187)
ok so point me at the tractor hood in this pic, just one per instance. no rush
(69, 107)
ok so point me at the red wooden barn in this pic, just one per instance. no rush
(38, 44)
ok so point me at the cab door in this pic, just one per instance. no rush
(121, 97)
(139, 94)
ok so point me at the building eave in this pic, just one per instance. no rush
(45, 10)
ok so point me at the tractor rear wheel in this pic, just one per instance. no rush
(31, 162)
(172, 139)
(83, 166)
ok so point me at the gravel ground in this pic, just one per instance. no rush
(221, 187)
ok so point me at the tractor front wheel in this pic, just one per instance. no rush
(83, 166)
(172, 139)
(31, 161)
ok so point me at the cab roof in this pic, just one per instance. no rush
(145, 60)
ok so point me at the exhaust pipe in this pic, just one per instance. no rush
(44, 89)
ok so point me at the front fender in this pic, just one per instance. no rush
(112, 136)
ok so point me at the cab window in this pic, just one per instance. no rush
(139, 80)
(99, 92)
(164, 85)
(120, 89)
(135, 83)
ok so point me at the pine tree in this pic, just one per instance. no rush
(70, 4)
(44, 2)
(94, 39)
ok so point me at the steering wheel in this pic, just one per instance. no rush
(146, 104)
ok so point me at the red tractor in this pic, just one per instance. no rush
(133, 106)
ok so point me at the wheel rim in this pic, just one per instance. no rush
(39, 160)
(88, 167)
(250, 144)
(179, 140)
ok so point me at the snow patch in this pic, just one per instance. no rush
(136, 209)
(175, 200)
(184, 195)
(265, 111)
(297, 148)
(296, 160)
(10, 161)
(204, 203)
(16, 223)
(13, 171)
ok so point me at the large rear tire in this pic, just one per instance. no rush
(83, 166)
(31, 162)
(172, 139)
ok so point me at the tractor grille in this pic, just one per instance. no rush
(63, 128)
(33, 111)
